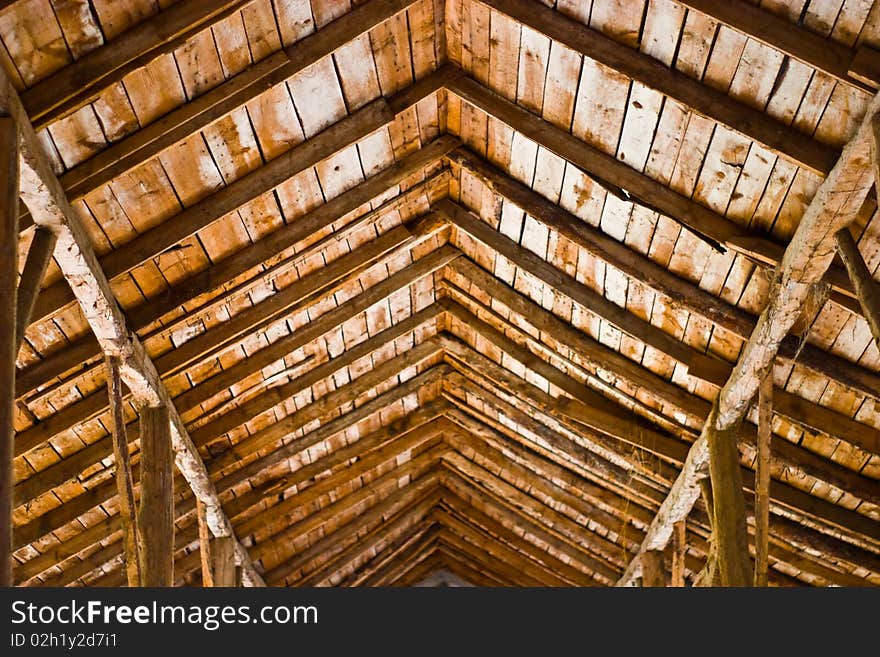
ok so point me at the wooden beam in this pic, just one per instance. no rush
(42, 193)
(653, 571)
(806, 259)
(156, 518)
(615, 176)
(762, 478)
(35, 266)
(819, 52)
(753, 124)
(223, 561)
(8, 338)
(205, 557)
(679, 552)
(81, 82)
(122, 474)
(656, 277)
(867, 289)
(729, 532)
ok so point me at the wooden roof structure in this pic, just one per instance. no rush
(459, 291)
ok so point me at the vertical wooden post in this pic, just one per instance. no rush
(729, 516)
(124, 485)
(8, 342)
(679, 551)
(156, 521)
(205, 544)
(223, 551)
(762, 479)
(653, 574)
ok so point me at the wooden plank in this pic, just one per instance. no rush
(702, 99)
(156, 513)
(8, 340)
(44, 197)
(762, 479)
(122, 474)
(806, 259)
(38, 258)
(205, 558)
(867, 289)
(804, 45)
(81, 82)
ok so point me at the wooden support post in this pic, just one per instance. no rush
(38, 257)
(156, 521)
(730, 535)
(124, 485)
(679, 553)
(8, 343)
(762, 478)
(867, 290)
(222, 549)
(204, 544)
(653, 574)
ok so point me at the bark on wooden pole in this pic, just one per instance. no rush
(222, 551)
(156, 521)
(205, 544)
(731, 535)
(652, 569)
(38, 258)
(867, 290)
(679, 552)
(762, 479)
(8, 343)
(124, 485)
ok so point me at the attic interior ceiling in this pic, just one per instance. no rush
(443, 291)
